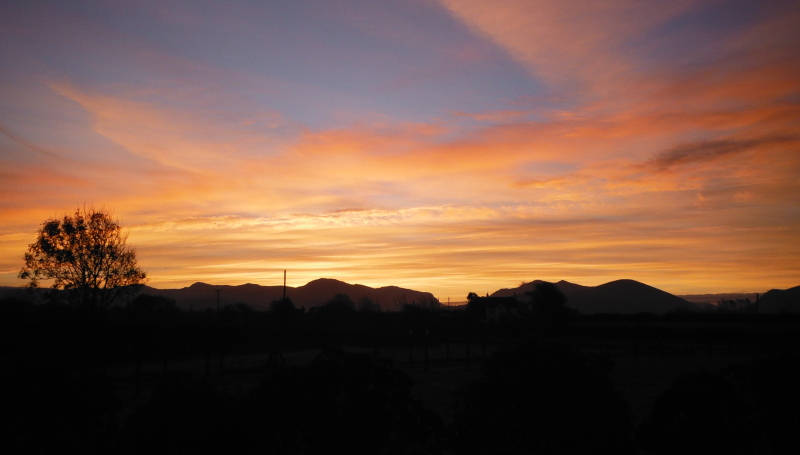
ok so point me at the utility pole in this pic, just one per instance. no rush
(284, 285)
(218, 291)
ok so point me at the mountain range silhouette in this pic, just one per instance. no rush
(314, 293)
(630, 296)
(620, 296)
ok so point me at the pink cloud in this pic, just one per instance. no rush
(563, 41)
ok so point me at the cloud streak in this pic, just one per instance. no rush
(705, 151)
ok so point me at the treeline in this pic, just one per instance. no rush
(154, 327)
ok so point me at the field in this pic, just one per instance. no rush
(646, 359)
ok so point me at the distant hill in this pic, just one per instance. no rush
(314, 293)
(621, 296)
(23, 293)
(780, 301)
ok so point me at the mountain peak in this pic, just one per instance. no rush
(324, 282)
(618, 296)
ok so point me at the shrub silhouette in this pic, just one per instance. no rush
(700, 413)
(746, 408)
(50, 409)
(282, 307)
(541, 399)
(282, 313)
(237, 313)
(15, 308)
(769, 386)
(367, 305)
(153, 308)
(476, 306)
(549, 304)
(339, 403)
(185, 417)
(340, 305)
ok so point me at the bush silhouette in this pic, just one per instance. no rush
(50, 409)
(367, 305)
(549, 304)
(282, 307)
(339, 403)
(341, 305)
(153, 308)
(769, 386)
(541, 399)
(476, 306)
(700, 413)
(184, 417)
(750, 407)
(15, 308)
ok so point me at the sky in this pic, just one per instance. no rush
(445, 146)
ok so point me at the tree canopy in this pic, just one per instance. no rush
(547, 299)
(86, 255)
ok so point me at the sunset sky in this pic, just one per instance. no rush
(445, 146)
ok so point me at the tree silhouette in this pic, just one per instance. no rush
(86, 255)
(339, 403)
(548, 300)
(542, 399)
(54, 407)
(153, 307)
(340, 305)
(736, 306)
(750, 407)
(700, 413)
(366, 304)
(183, 417)
(282, 307)
(476, 306)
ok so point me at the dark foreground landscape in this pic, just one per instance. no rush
(349, 377)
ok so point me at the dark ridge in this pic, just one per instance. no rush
(620, 296)
(780, 301)
(200, 295)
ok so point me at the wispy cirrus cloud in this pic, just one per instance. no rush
(585, 44)
(706, 151)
